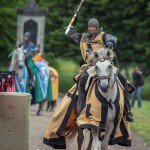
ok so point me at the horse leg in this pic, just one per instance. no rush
(90, 142)
(80, 138)
(108, 132)
(53, 104)
(96, 143)
(48, 105)
(39, 110)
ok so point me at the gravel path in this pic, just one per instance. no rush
(39, 123)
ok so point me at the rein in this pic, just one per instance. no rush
(115, 78)
(105, 77)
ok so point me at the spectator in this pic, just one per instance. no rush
(138, 83)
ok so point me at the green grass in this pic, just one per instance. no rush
(141, 123)
(66, 70)
(146, 88)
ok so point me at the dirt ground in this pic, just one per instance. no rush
(39, 123)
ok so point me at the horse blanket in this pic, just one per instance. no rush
(92, 116)
(54, 75)
(43, 84)
(55, 83)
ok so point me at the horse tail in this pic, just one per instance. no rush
(71, 133)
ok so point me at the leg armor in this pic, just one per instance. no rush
(127, 105)
(81, 92)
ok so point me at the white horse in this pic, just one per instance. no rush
(18, 59)
(106, 81)
(18, 64)
(103, 69)
(103, 110)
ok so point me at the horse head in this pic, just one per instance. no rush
(18, 59)
(104, 68)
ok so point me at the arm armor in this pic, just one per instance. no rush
(110, 38)
(74, 35)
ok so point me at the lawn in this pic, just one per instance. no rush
(141, 123)
(66, 70)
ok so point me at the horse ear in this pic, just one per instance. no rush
(21, 48)
(96, 55)
(108, 53)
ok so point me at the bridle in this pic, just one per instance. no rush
(20, 58)
(99, 78)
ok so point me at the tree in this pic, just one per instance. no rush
(8, 19)
(123, 19)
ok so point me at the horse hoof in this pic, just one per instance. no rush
(51, 110)
(39, 113)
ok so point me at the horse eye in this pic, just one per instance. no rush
(109, 67)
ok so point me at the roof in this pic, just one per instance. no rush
(32, 9)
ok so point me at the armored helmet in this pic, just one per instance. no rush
(93, 22)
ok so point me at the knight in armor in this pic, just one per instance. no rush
(29, 51)
(95, 38)
(27, 43)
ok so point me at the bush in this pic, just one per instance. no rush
(66, 68)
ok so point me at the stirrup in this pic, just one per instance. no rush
(131, 88)
(129, 116)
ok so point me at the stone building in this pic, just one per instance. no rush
(31, 19)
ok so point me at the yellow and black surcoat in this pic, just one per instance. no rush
(91, 44)
(93, 115)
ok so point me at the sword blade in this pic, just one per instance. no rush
(80, 5)
(73, 18)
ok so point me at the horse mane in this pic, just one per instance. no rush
(103, 53)
(13, 64)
